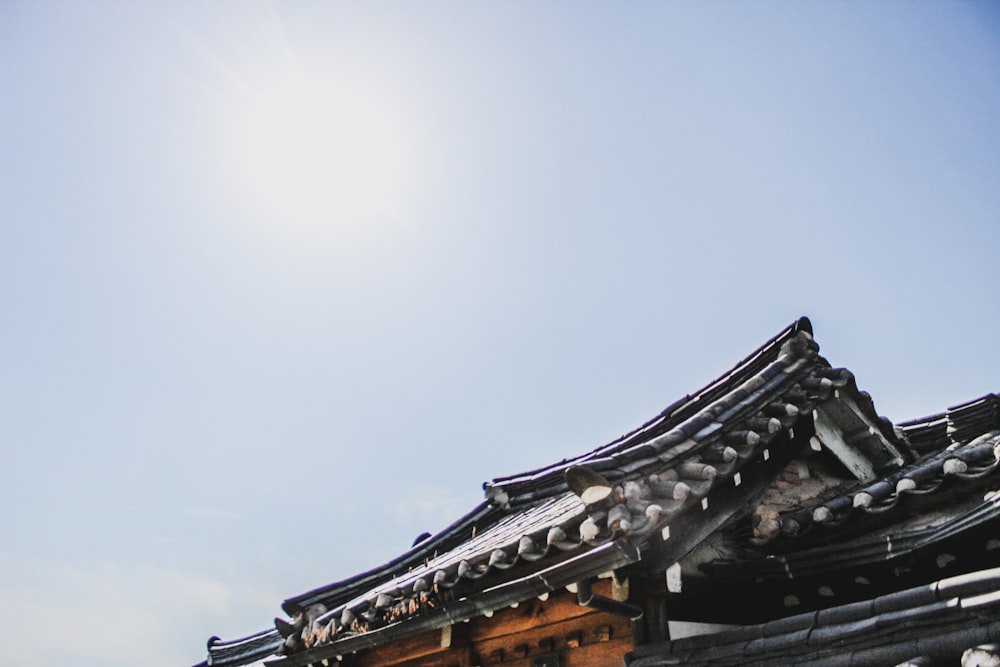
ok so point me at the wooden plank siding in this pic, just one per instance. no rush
(582, 637)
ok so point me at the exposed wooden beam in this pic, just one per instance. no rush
(832, 437)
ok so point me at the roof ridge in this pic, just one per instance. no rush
(679, 410)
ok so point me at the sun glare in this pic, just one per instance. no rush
(322, 157)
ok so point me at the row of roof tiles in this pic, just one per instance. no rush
(981, 519)
(532, 486)
(970, 461)
(690, 459)
(705, 449)
(956, 425)
(658, 471)
(950, 616)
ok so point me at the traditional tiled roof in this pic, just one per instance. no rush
(941, 620)
(242, 651)
(969, 461)
(955, 426)
(983, 516)
(695, 418)
(658, 490)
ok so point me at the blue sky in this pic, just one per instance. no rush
(281, 284)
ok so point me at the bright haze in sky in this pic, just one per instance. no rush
(281, 284)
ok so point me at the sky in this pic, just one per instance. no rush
(282, 284)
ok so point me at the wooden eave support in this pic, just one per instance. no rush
(832, 437)
(587, 598)
(854, 438)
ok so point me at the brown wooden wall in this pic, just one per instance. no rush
(580, 636)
